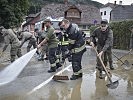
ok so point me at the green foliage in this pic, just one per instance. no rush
(12, 12)
(92, 28)
(121, 34)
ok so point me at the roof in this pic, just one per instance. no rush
(89, 12)
(33, 20)
(73, 7)
(112, 5)
(122, 12)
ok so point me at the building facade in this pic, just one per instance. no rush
(106, 10)
(122, 12)
(83, 15)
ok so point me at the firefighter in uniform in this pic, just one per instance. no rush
(11, 38)
(52, 43)
(76, 47)
(104, 45)
(63, 44)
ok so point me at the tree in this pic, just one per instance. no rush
(12, 12)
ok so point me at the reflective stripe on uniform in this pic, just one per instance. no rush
(80, 71)
(72, 41)
(53, 65)
(58, 56)
(57, 61)
(64, 43)
(77, 73)
(75, 50)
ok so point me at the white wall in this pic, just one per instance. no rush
(108, 10)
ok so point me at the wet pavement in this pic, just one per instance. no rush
(34, 83)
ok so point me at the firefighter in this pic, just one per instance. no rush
(76, 47)
(52, 43)
(63, 43)
(104, 43)
(11, 38)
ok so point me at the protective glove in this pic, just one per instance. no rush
(68, 54)
(92, 44)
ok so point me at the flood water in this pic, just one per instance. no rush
(90, 87)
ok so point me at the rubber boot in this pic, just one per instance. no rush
(52, 69)
(111, 65)
(46, 58)
(41, 58)
(74, 77)
(100, 75)
(80, 74)
(58, 65)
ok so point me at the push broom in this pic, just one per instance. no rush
(61, 77)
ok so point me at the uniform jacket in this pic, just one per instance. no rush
(104, 39)
(75, 36)
(52, 41)
(26, 36)
(10, 38)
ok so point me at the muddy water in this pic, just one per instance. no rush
(90, 87)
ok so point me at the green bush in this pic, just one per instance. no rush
(92, 28)
(121, 33)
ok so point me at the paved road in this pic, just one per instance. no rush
(34, 83)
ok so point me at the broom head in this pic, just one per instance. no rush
(58, 77)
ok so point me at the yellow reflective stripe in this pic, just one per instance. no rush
(75, 50)
(63, 38)
(80, 71)
(77, 73)
(53, 65)
(71, 41)
(64, 43)
(57, 61)
(58, 56)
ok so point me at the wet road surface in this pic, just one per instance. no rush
(34, 83)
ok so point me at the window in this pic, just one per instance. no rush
(73, 14)
(101, 13)
(104, 12)
(84, 26)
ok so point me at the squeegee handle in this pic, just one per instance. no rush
(103, 65)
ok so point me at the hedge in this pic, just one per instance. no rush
(121, 32)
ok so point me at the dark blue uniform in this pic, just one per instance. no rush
(77, 48)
